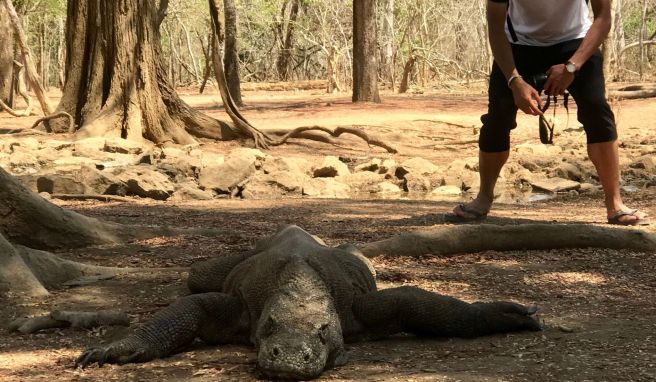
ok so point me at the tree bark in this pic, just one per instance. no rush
(32, 76)
(386, 28)
(286, 28)
(231, 59)
(450, 240)
(116, 84)
(365, 67)
(6, 57)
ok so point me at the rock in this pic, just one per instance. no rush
(223, 178)
(469, 163)
(326, 188)
(145, 182)
(23, 163)
(178, 171)
(74, 162)
(83, 180)
(555, 185)
(418, 166)
(364, 181)
(246, 153)
(172, 153)
(373, 166)
(190, 191)
(209, 158)
(645, 162)
(416, 183)
(95, 143)
(297, 165)
(58, 145)
(446, 191)
(274, 185)
(124, 146)
(589, 188)
(330, 167)
(463, 179)
(537, 149)
(386, 188)
(569, 171)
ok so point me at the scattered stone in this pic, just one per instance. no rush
(124, 146)
(95, 143)
(225, 177)
(190, 191)
(645, 162)
(416, 183)
(569, 171)
(145, 182)
(418, 166)
(83, 180)
(373, 166)
(209, 158)
(331, 167)
(386, 188)
(555, 185)
(588, 188)
(297, 165)
(447, 191)
(326, 188)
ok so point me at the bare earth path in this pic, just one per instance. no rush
(597, 305)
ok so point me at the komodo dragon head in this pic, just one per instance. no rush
(299, 334)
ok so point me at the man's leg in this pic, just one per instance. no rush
(605, 158)
(490, 165)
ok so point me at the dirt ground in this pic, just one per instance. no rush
(597, 305)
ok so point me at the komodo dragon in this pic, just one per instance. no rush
(298, 301)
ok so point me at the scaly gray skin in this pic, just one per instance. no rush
(297, 301)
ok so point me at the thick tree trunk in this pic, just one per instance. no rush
(6, 57)
(231, 59)
(116, 84)
(365, 67)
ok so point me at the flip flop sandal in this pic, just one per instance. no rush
(476, 215)
(616, 219)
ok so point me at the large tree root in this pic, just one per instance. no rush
(71, 121)
(65, 319)
(634, 92)
(262, 139)
(451, 240)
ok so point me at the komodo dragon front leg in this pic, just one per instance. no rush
(417, 311)
(214, 317)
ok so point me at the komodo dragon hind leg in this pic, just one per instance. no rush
(417, 311)
(211, 316)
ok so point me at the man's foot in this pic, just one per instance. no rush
(629, 218)
(471, 211)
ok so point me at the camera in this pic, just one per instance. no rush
(537, 81)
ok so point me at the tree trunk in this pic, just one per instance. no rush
(116, 84)
(32, 75)
(386, 28)
(286, 36)
(365, 67)
(231, 59)
(6, 57)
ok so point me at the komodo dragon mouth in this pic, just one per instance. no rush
(296, 300)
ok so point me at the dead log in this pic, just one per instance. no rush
(450, 240)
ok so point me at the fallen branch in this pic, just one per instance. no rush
(633, 92)
(71, 122)
(65, 319)
(449, 240)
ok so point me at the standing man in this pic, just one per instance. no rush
(555, 37)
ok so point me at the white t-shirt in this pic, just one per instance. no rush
(549, 22)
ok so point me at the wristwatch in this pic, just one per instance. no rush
(570, 67)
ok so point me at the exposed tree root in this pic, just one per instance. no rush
(23, 113)
(449, 240)
(297, 133)
(71, 121)
(634, 92)
(64, 319)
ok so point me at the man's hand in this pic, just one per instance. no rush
(558, 80)
(526, 97)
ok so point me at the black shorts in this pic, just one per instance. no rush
(587, 89)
